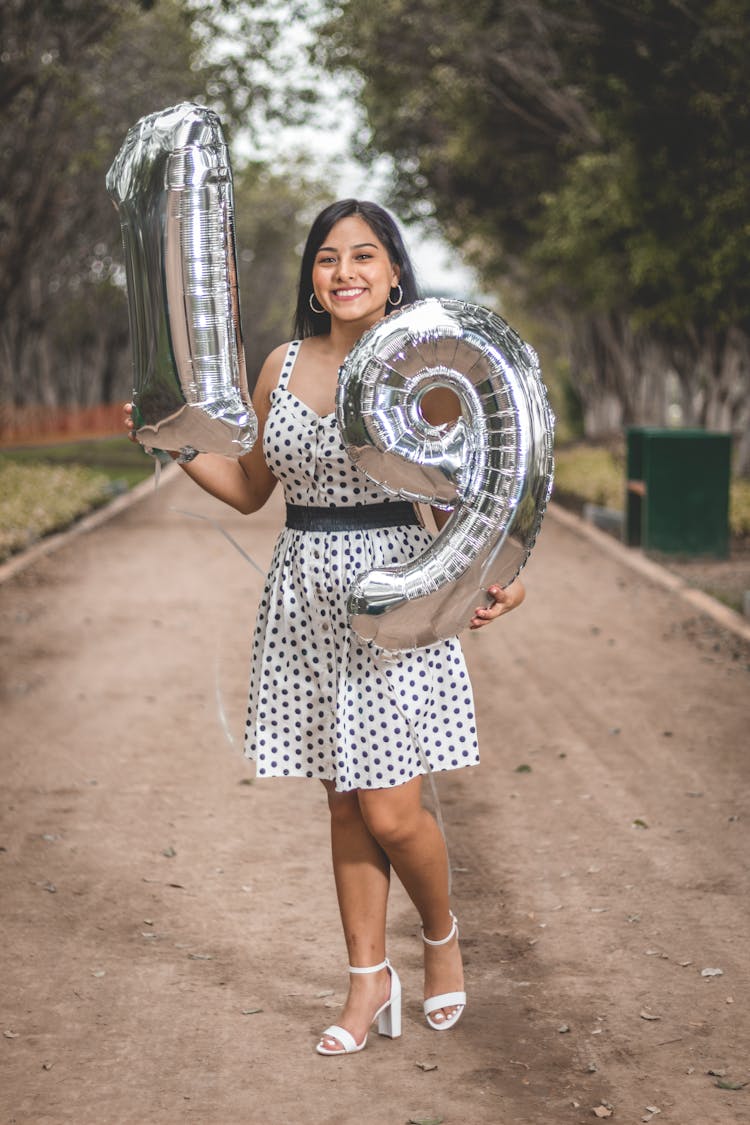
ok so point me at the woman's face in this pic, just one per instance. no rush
(352, 274)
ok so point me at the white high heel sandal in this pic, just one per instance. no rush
(388, 1016)
(455, 1000)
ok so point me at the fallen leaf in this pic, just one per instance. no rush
(98, 972)
(523, 769)
(563, 1028)
(325, 992)
(603, 1111)
(50, 887)
(250, 1011)
(200, 956)
(10, 1034)
(725, 1084)
(427, 1066)
(148, 921)
(712, 972)
(638, 823)
(47, 1066)
(648, 1015)
(425, 1121)
(246, 781)
(717, 1073)
(169, 852)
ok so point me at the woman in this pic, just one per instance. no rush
(323, 703)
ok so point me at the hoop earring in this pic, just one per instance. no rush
(312, 306)
(400, 296)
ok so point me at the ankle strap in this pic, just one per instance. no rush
(370, 968)
(445, 940)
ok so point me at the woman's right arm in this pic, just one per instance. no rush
(244, 483)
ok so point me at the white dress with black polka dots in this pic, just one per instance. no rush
(323, 702)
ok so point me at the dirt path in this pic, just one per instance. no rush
(169, 929)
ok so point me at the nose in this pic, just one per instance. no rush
(346, 268)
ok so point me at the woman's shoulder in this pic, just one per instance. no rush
(270, 372)
(275, 359)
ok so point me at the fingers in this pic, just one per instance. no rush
(486, 613)
(129, 424)
(503, 601)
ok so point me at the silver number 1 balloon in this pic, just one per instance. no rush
(492, 467)
(172, 185)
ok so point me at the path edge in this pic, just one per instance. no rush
(633, 558)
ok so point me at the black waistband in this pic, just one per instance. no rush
(391, 513)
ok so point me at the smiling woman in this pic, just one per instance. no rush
(322, 261)
(323, 703)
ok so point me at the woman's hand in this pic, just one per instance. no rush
(129, 424)
(503, 602)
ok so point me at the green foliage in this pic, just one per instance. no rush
(38, 499)
(75, 77)
(595, 155)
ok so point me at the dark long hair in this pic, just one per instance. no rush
(308, 323)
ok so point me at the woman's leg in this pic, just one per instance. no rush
(362, 873)
(409, 836)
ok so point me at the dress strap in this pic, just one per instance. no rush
(288, 364)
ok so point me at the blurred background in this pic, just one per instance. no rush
(582, 168)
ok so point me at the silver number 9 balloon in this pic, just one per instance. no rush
(492, 467)
(172, 185)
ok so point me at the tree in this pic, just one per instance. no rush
(595, 157)
(76, 76)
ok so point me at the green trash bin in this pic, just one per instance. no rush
(677, 498)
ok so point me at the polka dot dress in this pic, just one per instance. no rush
(324, 703)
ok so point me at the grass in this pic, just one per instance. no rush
(589, 474)
(596, 475)
(120, 460)
(45, 488)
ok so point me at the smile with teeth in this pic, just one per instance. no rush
(347, 294)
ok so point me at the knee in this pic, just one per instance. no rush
(390, 827)
(344, 808)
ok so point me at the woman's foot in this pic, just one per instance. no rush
(443, 977)
(369, 994)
